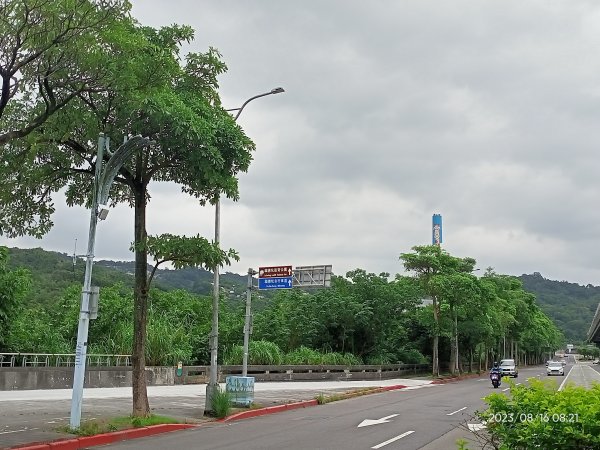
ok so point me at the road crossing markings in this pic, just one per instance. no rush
(458, 410)
(394, 439)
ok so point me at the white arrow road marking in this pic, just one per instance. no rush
(367, 422)
(476, 427)
(394, 439)
(458, 410)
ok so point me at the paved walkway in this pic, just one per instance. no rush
(34, 416)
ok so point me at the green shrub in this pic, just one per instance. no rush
(304, 356)
(411, 356)
(333, 358)
(539, 416)
(233, 355)
(381, 359)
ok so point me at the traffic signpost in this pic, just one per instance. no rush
(275, 283)
(275, 277)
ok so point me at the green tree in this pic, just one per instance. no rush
(51, 52)
(14, 285)
(146, 91)
(432, 264)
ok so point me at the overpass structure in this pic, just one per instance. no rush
(594, 332)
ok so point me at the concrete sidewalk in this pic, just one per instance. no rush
(35, 416)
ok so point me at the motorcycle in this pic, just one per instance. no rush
(495, 377)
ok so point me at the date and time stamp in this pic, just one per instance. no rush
(503, 417)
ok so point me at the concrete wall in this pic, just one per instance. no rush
(23, 378)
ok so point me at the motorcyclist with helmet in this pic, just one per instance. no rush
(496, 370)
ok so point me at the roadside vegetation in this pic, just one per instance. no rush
(99, 426)
(537, 415)
(362, 319)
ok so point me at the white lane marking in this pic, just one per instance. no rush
(476, 427)
(394, 439)
(518, 384)
(507, 389)
(562, 385)
(458, 410)
(368, 422)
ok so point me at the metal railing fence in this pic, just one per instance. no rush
(60, 360)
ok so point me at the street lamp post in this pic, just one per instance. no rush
(213, 381)
(103, 179)
(247, 322)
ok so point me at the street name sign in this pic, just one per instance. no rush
(275, 277)
(275, 283)
(275, 272)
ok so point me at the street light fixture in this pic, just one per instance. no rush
(103, 179)
(213, 381)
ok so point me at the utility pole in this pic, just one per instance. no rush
(248, 321)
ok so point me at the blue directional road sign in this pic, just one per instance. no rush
(275, 283)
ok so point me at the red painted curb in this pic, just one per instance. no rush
(268, 410)
(107, 438)
(393, 388)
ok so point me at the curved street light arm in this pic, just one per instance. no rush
(119, 157)
(277, 90)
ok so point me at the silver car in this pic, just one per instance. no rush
(508, 367)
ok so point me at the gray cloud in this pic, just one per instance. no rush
(485, 112)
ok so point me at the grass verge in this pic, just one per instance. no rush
(99, 426)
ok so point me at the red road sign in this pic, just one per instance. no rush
(275, 272)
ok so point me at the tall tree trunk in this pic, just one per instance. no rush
(456, 367)
(141, 407)
(435, 360)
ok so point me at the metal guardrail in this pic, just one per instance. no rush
(60, 360)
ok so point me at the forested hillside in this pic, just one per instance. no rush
(52, 272)
(570, 305)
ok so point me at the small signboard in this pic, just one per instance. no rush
(275, 272)
(275, 283)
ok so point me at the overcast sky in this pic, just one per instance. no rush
(487, 113)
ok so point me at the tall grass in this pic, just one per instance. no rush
(259, 352)
(221, 403)
(346, 359)
(304, 355)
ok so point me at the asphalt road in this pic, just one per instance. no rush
(428, 417)
(34, 416)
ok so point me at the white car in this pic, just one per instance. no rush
(508, 367)
(555, 368)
